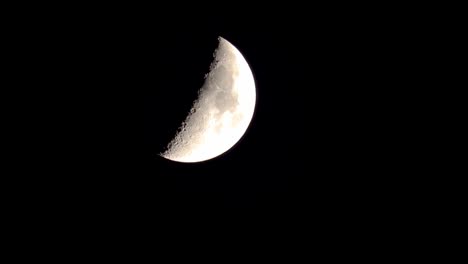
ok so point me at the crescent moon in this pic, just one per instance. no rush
(222, 112)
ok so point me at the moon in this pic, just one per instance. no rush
(222, 112)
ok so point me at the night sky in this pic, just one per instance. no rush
(256, 172)
(311, 143)
(317, 127)
(104, 93)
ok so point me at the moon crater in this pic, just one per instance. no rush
(222, 112)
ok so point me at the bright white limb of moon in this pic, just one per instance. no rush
(221, 114)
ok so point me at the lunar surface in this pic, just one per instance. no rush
(222, 112)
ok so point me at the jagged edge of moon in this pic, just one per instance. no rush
(179, 138)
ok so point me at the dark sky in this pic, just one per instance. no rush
(317, 128)
(130, 85)
(257, 172)
(109, 89)
(123, 90)
(306, 137)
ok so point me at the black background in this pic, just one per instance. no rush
(330, 150)
(119, 88)
(257, 172)
(312, 141)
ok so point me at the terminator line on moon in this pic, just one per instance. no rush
(222, 112)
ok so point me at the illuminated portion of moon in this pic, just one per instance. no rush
(222, 112)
